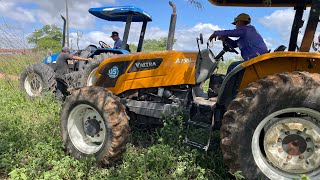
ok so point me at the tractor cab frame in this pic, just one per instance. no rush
(126, 14)
(299, 6)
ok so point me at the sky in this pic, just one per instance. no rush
(19, 18)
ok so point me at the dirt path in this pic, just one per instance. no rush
(10, 77)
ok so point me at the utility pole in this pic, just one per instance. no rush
(67, 16)
(79, 34)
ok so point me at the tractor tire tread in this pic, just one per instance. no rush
(236, 117)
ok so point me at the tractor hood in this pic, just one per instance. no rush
(258, 3)
(120, 13)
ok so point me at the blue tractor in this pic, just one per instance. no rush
(40, 77)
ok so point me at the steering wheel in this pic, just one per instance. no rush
(103, 44)
(228, 47)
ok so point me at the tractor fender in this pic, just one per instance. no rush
(51, 59)
(230, 84)
(109, 50)
(263, 66)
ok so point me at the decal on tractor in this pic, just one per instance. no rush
(113, 72)
(145, 64)
(184, 60)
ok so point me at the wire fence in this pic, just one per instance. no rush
(15, 54)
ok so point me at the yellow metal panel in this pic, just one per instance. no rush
(176, 68)
(277, 62)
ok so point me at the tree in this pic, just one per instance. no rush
(196, 3)
(152, 45)
(49, 37)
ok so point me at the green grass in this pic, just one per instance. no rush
(14, 64)
(31, 147)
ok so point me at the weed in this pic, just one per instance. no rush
(31, 146)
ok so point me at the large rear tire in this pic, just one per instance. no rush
(94, 123)
(37, 79)
(88, 74)
(271, 130)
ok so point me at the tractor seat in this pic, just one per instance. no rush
(280, 48)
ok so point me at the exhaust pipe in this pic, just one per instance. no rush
(172, 26)
(64, 31)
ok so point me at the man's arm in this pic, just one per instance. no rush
(228, 33)
(79, 58)
(231, 33)
(233, 43)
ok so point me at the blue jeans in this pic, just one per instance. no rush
(233, 65)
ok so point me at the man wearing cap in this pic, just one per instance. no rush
(62, 69)
(250, 42)
(117, 40)
(62, 61)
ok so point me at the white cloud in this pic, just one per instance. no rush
(12, 36)
(186, 37)
(10, 10)
(281, 21)
(48, 12)
(269, 42)
(92, 37)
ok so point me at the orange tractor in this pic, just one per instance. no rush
(267, 108)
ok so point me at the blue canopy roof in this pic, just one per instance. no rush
(120, 13)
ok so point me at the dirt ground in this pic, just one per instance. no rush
(10, 77)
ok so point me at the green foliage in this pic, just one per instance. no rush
(15, 64)
(223, 66)
(238, 175)
(222, 69)
(50, 31)
(46, 43)
(155, 45)
(49, 37)
(304, 177)
(31, 145)
(152, 45)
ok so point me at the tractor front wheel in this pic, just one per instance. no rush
(94, 124)
(88, 75)
(37, 79)
(271, 130)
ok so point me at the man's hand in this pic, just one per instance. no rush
(75, 52)
(221, 38)
(213, 36)
(107, 46)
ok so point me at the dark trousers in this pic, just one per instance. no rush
(233, 65)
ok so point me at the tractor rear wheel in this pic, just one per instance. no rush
(271, 130)
(37, 79)
(94, 124)
(89, 70)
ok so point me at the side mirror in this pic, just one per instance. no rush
(201, 38)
